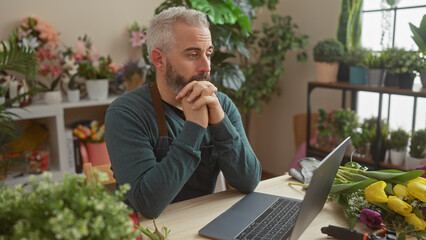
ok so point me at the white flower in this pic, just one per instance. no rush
(30, 44)
(70, 65)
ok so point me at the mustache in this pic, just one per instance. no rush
(200, 76)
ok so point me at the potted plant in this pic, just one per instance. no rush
(354, 58)
(376, 72)
(45, 209)
(419, 37)
(327, 54)
(133, 73)
(361, 141)
(97, 71)
(324, 129)
(371, 125)
(417, 150)
(401, 65)
(345, 123)
(398, 146)
(349, 31)
(70, 69)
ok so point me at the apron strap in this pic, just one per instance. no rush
(159, 110)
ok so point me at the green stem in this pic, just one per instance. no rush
(298, 184)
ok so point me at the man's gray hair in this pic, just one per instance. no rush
(161, 30)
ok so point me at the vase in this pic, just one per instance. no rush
(98, 153)
(52, 97)
(73, 95)
(397, 157)
(412, 162)
(326, 72)
(375, 77)
(97, 89)
(357, 75)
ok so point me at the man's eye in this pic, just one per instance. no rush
(209, 55)
(193, 56)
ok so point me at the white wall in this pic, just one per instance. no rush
(106, 21)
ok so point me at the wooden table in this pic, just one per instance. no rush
(186, 218)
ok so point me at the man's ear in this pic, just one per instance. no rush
(158, 59)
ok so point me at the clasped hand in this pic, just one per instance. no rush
(200, 103)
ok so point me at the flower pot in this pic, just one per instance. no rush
(97, 89)
(397, 157)
(73, 95)
(52, 97)
(375, 77)
(343, 72)
(412, 162)
(391, 80)
(97, 153)
(406, 80)
(357, 75)
(326, 72)
(423, 77)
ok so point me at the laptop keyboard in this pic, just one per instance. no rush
(274, 223)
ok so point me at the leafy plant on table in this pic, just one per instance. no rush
(156, 235)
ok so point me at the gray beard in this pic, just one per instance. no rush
(177, 82)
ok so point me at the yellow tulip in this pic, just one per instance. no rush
(417, 189)
(399, 206)
(419, 179)
(402, 191)
(376, 192)
(419, 224)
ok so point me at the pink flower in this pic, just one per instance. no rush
(81, 46)
(44, 69)
(78, 56)
(138, 38)
(93, 54)
(47, 33)
(22, 33)
(56, 70)
(371, 218)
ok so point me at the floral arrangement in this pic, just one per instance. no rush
(72, 209)
(93, 133)
(43, 39)
(379, 197)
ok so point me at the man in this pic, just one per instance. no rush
(170, 139)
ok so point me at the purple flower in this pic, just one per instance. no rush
(423, 167)
(371, 218)
(424, 213)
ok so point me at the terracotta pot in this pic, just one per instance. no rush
(98, 153)
(326, 72)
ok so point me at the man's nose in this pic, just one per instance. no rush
(204, 65)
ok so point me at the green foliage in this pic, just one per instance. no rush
(20, 60)
(156, 235)
(401, 60)
(52, 85)
(399, 139)
(418, 144)
(328, 50)
(87, 70)
(345, 123)
(419, 34)
(323, 124)
(355, 56)
(375, 60)
(68, 210)
(360, 139)
(350, 24)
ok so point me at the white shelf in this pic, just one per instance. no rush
(53, 117)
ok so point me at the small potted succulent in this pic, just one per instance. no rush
(327, 54)
(398, 146)
(401, 65)
(417, 154)
(357, 71)
(376, 72)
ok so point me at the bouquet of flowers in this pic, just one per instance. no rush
(94, 133)
(137, 35)
(388, 196)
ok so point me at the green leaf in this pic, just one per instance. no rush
(351, 187)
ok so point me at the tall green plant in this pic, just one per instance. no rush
(350, 23)
(419, 34)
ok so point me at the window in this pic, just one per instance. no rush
(383, 27)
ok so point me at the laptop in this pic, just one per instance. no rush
(265, 216)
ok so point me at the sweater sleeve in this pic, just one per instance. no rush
(133, 160)
(236, 158)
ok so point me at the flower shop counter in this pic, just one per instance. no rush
(185, 219)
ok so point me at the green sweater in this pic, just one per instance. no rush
(131, 135)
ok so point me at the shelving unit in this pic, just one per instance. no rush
(57, 118)
(375, 160)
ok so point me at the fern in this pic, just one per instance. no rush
(19, 59)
